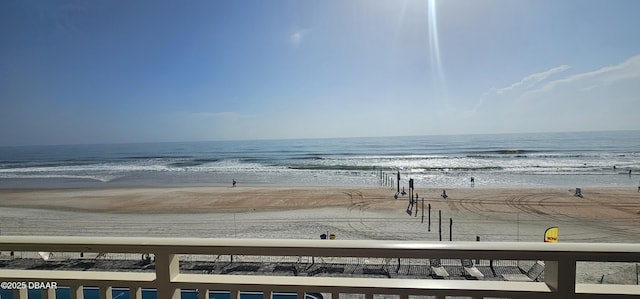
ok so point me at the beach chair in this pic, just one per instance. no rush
(532, 275)
(536, 270)
(470, 271)
(437, 271)
(6, 257)
(51, 257)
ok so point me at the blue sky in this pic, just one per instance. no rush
(141, 71)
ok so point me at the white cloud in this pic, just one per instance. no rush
(628, 69)
(297, 37)
(601, 99)
(533, 79)
(516, 89)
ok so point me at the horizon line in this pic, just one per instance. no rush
(319, 138)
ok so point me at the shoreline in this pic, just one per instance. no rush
(311, 179)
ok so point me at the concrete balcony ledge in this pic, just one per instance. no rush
(623, 252)
(357, 285)
(607, 290)
(559, 267)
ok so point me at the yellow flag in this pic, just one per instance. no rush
(551, 235)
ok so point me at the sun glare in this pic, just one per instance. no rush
(436, 62)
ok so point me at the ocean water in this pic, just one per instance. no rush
(501, 160)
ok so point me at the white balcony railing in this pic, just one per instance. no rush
(559, 276)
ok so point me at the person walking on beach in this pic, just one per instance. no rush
(233, 182)
(473, 181)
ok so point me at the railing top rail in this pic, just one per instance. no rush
(337, 248)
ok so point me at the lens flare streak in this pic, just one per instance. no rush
(436, 61)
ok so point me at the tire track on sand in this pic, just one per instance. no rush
(357, 208)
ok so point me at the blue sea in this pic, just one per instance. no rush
(500, 160)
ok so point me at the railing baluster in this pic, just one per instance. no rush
(137, 292)
(203, 293)
(234, 294)
(561, 277)
(106, 292)
(167, 268)
(76, 292)
(21, 293)
(49, 293)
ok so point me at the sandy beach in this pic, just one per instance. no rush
(601, 215)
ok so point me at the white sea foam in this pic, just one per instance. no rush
(98, 178)
(431, 160)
